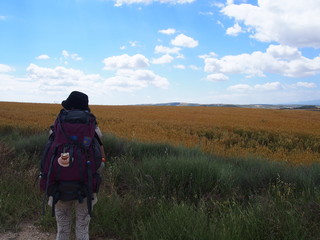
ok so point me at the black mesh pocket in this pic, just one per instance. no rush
(69, 190)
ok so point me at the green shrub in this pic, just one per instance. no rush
(175, 222)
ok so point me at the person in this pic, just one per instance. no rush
(63, 209)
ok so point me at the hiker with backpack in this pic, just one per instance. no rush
(70, 166)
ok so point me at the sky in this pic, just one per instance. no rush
(125, 52)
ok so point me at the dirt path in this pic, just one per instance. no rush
(28, 231)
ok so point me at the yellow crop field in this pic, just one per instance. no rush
(283, 135)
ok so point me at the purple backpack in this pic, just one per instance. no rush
(71, 159)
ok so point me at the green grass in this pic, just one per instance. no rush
(18, 197)
(157, 191)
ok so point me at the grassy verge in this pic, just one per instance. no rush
(156, 191)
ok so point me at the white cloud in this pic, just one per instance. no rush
(119, 3)
(272, 86)
(266, 87)
(52, 84)
(251, 65)
(194, 67)
(234, 30)
(180, 56)
(6, 68)
(126, 62)
(130, 73)
(129, 80)
(168, 31)
(283, 60)
(3, 17)
(4, 86)
(284, 52)
(163, 59)
(180, 66)
(218, 5)
(175, 1)
(304, 85)
(73, 56)
(67, 79)
(76, 57)
(167, 50)
(46, 84)
(133, 43)
(260, 97)
(240, 88)
(206, 13)
(220, 23)
(294, 23)
(19, 89)
(60, 77)
(43, 57)
(211, 54)
(217, 77)
(65, 53)
(184, 41)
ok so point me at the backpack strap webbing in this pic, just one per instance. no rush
(55, 199)
(89, 196)
(48, 180)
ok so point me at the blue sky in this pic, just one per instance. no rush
(155, 51)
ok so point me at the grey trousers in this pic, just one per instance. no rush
(63, 212)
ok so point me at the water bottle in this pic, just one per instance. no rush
(103, 160)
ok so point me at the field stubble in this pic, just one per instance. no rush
(283, 135)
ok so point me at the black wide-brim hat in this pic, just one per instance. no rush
(76, 100)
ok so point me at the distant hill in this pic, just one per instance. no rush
(265, 106)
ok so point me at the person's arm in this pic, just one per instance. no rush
(99, 137)
(51, 133)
